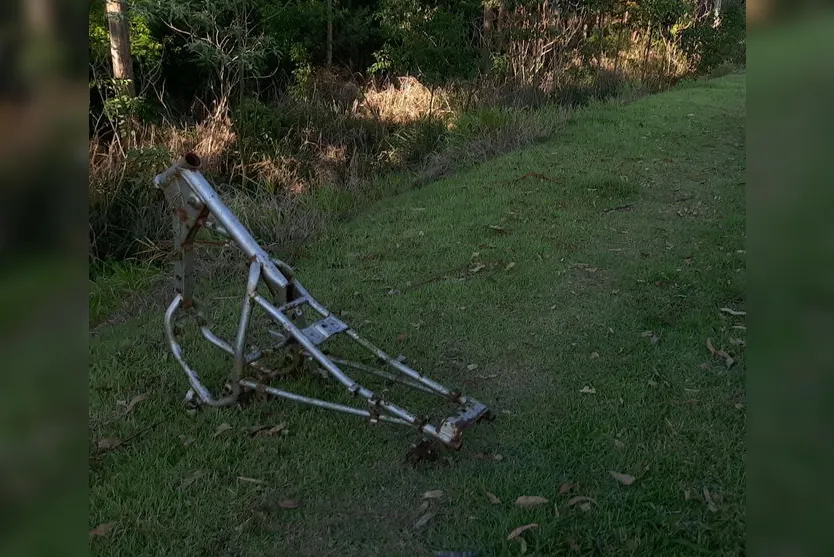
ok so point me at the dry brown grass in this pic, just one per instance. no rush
(405, 101)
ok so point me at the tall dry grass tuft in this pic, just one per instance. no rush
(405, 100)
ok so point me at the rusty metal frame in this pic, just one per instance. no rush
(272, 288)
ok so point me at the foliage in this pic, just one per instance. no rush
(411, 82)
(433, 40)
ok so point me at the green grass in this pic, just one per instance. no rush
(573, 311)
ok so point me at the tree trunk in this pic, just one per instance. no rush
(489, 24)
(329, 33)
(119, 29)
(648, 51)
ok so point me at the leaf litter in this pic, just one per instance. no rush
(525, 501)
(624, 479)
(728, 360)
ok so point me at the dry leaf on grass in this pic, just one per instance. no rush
(196, 475)
(423, 520)
(493, 498)
(565, 487)
(487, 456)
(476, 268)
(434, 494)
(221, 428)
(472, 367)
(594, 355)
(509, 266)
(710, 503)
(728, 360)
(580, 499)
(424, 507)
(134, 401)
(588, 390)
(734, 312)
(619, 444)
(102, 529)
(624, 479)
(250, 480)
(495, 228)
(530, 501)
(108, 443)
(520, 530)
(273, 431)
(289, 504)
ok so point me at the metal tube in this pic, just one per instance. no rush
(243, 326)
(316, 402)
(253, 356)
(435, 386)
(202, 392)
(233, 226)
(352, 386)
(385, 375)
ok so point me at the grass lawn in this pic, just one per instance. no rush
(626, 235)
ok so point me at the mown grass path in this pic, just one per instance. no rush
(599, 259)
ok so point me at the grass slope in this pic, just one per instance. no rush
(633, 222)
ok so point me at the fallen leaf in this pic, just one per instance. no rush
(250, 480)
(739, 406)
(196, 475)
(624, 479)
(594, 355)
(102, 529)
(273, 431)
(134, 401)
(565, 487)
(491, 376)
(509, 266)
(493, 498)
(580, 499)
(530, 501)
(185, 440)
(423, 520)
(495, 228)
(472, 367)
(720, 353)
(478, 267)
(733, 312)
(424, 507)
(588, 390)
(710, 504)
(487, 456)
(585, 507)
(556, 509)
(619, 444)
(254, 430)
(523, 545)
(520, 530)
(289, 504)
(435, 494)
(221, 428)
(108, 443)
